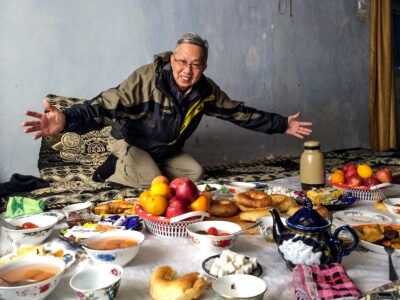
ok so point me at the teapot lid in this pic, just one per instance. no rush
(308, 219)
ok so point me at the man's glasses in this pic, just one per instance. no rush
(183, 64)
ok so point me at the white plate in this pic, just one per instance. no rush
(378, 248)
(218, 192)
(359, 217)
(68, 256)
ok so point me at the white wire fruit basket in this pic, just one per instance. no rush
(170, 227)
(363, 193)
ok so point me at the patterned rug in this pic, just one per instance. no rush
(65, 192)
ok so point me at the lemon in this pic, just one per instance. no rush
(364, 171)
(160, 188)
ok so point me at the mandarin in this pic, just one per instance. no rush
(143, 197)
(156, 205)
(337, 177)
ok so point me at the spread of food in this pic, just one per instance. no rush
(166, 200)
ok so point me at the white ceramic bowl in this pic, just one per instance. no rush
(265, 228)
(120, 256)
(13, 271)
(212, 243)
(33, 236)
(73, 211)
(100, 281)
(215, 192)
(393, 206)
(240, 187)
(240, 286)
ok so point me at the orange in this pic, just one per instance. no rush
(156, 205)
(337, 177)
(202, 203)
(365, 171)
(160, 188)
(143, 197)
(339, 171)
(160, 178)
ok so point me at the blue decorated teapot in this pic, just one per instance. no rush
(307, 239)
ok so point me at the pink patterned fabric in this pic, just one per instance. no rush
(323, 282)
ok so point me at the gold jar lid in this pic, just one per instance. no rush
(311, 145)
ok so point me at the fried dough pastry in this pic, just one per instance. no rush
(253, 215)
(165, 285)
(282, 202)
(254, 199)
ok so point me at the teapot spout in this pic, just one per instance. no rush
(277, 228)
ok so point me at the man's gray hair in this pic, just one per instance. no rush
(195, 39)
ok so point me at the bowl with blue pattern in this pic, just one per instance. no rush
(116, 246)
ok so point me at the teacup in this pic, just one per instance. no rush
(100, 281)
(265, 227)
(74, 211)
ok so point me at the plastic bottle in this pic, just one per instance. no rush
(312, 166)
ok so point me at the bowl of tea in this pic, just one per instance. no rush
(117, 246)
(32, 277)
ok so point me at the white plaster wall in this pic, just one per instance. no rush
(315, 62)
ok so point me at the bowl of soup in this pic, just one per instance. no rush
(31, 230)
(30, 278)
(117, 246)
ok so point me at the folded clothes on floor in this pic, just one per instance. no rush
(21, 183)
(324, 282)
(18, 206)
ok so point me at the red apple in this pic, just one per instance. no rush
(176, 208)
(350, 172)
(186, 190)
(347, 166)
(384, 175)
(172, 199)
(354, 180)
(371, 181)
(174, 183)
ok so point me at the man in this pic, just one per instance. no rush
(154, 112)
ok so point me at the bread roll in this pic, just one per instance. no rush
(164, 285)
(223, 208)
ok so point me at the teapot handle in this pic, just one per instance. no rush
(339, 242)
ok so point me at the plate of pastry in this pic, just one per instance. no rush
(375, 237)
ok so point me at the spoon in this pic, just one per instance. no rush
(5, 224)
(392, 272)
(21, 282)
(247, 228)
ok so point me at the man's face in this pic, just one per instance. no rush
(187, 65)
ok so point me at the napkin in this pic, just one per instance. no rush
(19, 206)
(323, 282)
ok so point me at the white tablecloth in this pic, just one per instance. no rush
(368, 270)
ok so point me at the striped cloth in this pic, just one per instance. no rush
(323, 282)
